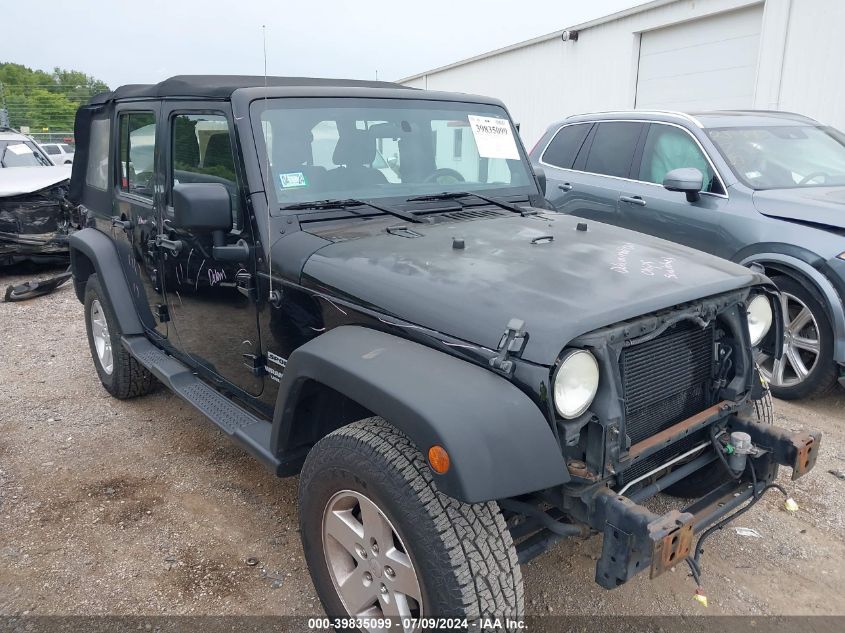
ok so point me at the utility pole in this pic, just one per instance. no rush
(4, 112)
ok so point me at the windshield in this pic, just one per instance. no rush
(320, 149)
(21, 154)
(779, 157)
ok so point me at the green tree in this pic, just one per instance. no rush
(39, 99)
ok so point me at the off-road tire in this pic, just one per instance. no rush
(463, 553)
(128, 378)
(823, 377)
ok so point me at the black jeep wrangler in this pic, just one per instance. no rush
(363, 284)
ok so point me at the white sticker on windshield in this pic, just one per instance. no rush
(19, 149)
(493, 136)
(293, 179)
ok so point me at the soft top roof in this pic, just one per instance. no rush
(222, 86)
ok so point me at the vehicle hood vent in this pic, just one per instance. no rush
(474, 214)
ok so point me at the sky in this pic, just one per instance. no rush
(144, 42)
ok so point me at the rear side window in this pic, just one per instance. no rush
(564, 147)
(612, 149)
(136, 152)
(97, 170)
(51, 149)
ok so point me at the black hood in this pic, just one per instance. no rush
(817, 205)
(563, 288)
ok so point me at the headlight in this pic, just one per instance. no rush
(576, 383)
(759, 318)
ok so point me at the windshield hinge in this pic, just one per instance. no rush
(511, 345)
(402, 231)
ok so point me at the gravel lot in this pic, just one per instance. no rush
(143, 507)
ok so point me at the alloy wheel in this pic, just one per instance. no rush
(102, 340)
(370, 567)
(801, 345)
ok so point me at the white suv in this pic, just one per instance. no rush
(60, 153)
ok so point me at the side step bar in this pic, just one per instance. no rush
(250, 431)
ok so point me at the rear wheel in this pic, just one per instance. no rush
(382, 541)
(121, 375)
(806, 367)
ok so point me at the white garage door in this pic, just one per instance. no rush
(703, 64)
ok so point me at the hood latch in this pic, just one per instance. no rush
(511, 345)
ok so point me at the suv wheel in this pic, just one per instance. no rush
(121, 375)
(381, 541)
(807, 367)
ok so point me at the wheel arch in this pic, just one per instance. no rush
(91, 251)
(819, 285)
(499, 443)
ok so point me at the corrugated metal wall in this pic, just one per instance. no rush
(813, 75)
(800, 64)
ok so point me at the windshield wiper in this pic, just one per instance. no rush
(352, 202)
(453, 195)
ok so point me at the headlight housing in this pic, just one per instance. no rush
(760, 318)
(575, 383)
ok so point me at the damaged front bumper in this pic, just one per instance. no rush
(35, 226)
(636, 539)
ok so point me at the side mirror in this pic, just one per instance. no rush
(203, 207)
(540, 177)
(686, 179)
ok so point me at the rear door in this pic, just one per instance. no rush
(557, 160)
(602, 166)
(136, 206)
(645, 206)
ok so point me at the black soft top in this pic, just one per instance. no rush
(222, 86)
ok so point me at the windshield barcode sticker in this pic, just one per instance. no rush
(293, 179)
(493, 137)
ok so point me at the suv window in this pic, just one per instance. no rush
(135, 152)
(201, 151)
(668, 147)
(612, 149)
(97, 170)
(564, 147)
(51, 149)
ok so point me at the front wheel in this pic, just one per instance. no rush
(806, 367)
(381, 541)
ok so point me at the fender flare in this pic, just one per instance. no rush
(500, 444)
(823, 287)
(99, 249)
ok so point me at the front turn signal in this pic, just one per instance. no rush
(439, 459)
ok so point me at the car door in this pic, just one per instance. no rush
(645, 206)
(213, 312)
(591, 188)
(136, 205)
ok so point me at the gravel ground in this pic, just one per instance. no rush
(143, 507)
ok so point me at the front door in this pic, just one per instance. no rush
(214, 317)
(647, 207)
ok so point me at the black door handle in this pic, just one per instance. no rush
(565, 187)
(637, 200)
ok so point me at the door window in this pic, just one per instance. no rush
(667, 148)
(201, 151)
(564, 147)
(136, 151)
(612, 149)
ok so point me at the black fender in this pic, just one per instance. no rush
(90, 248)
(499, 443)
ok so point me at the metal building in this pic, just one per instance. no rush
(685, 55)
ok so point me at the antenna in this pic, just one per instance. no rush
(273, 297)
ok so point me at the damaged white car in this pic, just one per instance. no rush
(35, 217)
